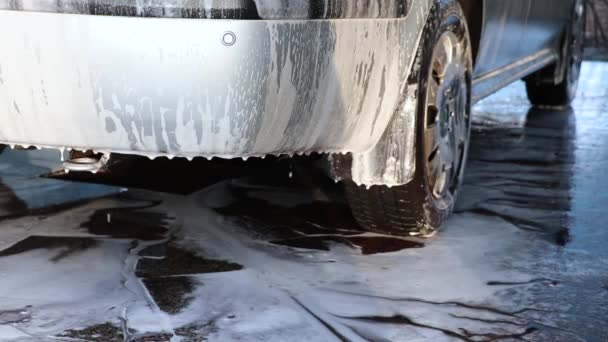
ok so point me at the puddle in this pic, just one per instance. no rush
(291, 224)
(180, 262)
(108, 332)
(524, 175)
(13, 208)
(15, 316)
(460, 334)
(288, 222)
(545, 281)
(320, 243)
(316, 225)
(196, 333)
(64, 246)
(377, 244)
(105, 332)
(155, 251)
(162, 337)
(366, 244)
(129, 223)
(9, 202)
(171, 294)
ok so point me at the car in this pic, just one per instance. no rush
(383, 88)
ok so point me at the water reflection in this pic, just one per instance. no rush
(524, 174)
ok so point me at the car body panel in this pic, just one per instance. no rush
(172, 86)
(504, 30)
(329, 76)
(221, 9)
(516, 29)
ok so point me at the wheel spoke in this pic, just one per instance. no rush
(430, 141)
(443, 58)
(431, 115)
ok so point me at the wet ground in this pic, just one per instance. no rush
(221, 252)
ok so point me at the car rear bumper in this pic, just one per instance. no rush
(219, 9)
(225, 88)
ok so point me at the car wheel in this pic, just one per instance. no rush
(541, 86)
(442, 72)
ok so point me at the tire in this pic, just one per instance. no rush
(542, 88)
(442, 129)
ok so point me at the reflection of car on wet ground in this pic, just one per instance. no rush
(391, 82)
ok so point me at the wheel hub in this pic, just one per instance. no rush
(446, 114)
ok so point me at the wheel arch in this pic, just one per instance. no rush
(474, 13)
(380, 164)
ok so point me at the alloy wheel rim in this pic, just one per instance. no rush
(446, 115)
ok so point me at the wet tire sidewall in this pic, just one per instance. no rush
(445, 16)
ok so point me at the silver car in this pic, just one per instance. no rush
(384, 88)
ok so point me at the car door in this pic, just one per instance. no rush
(516, 29)
(546, 24)
(503, 37)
